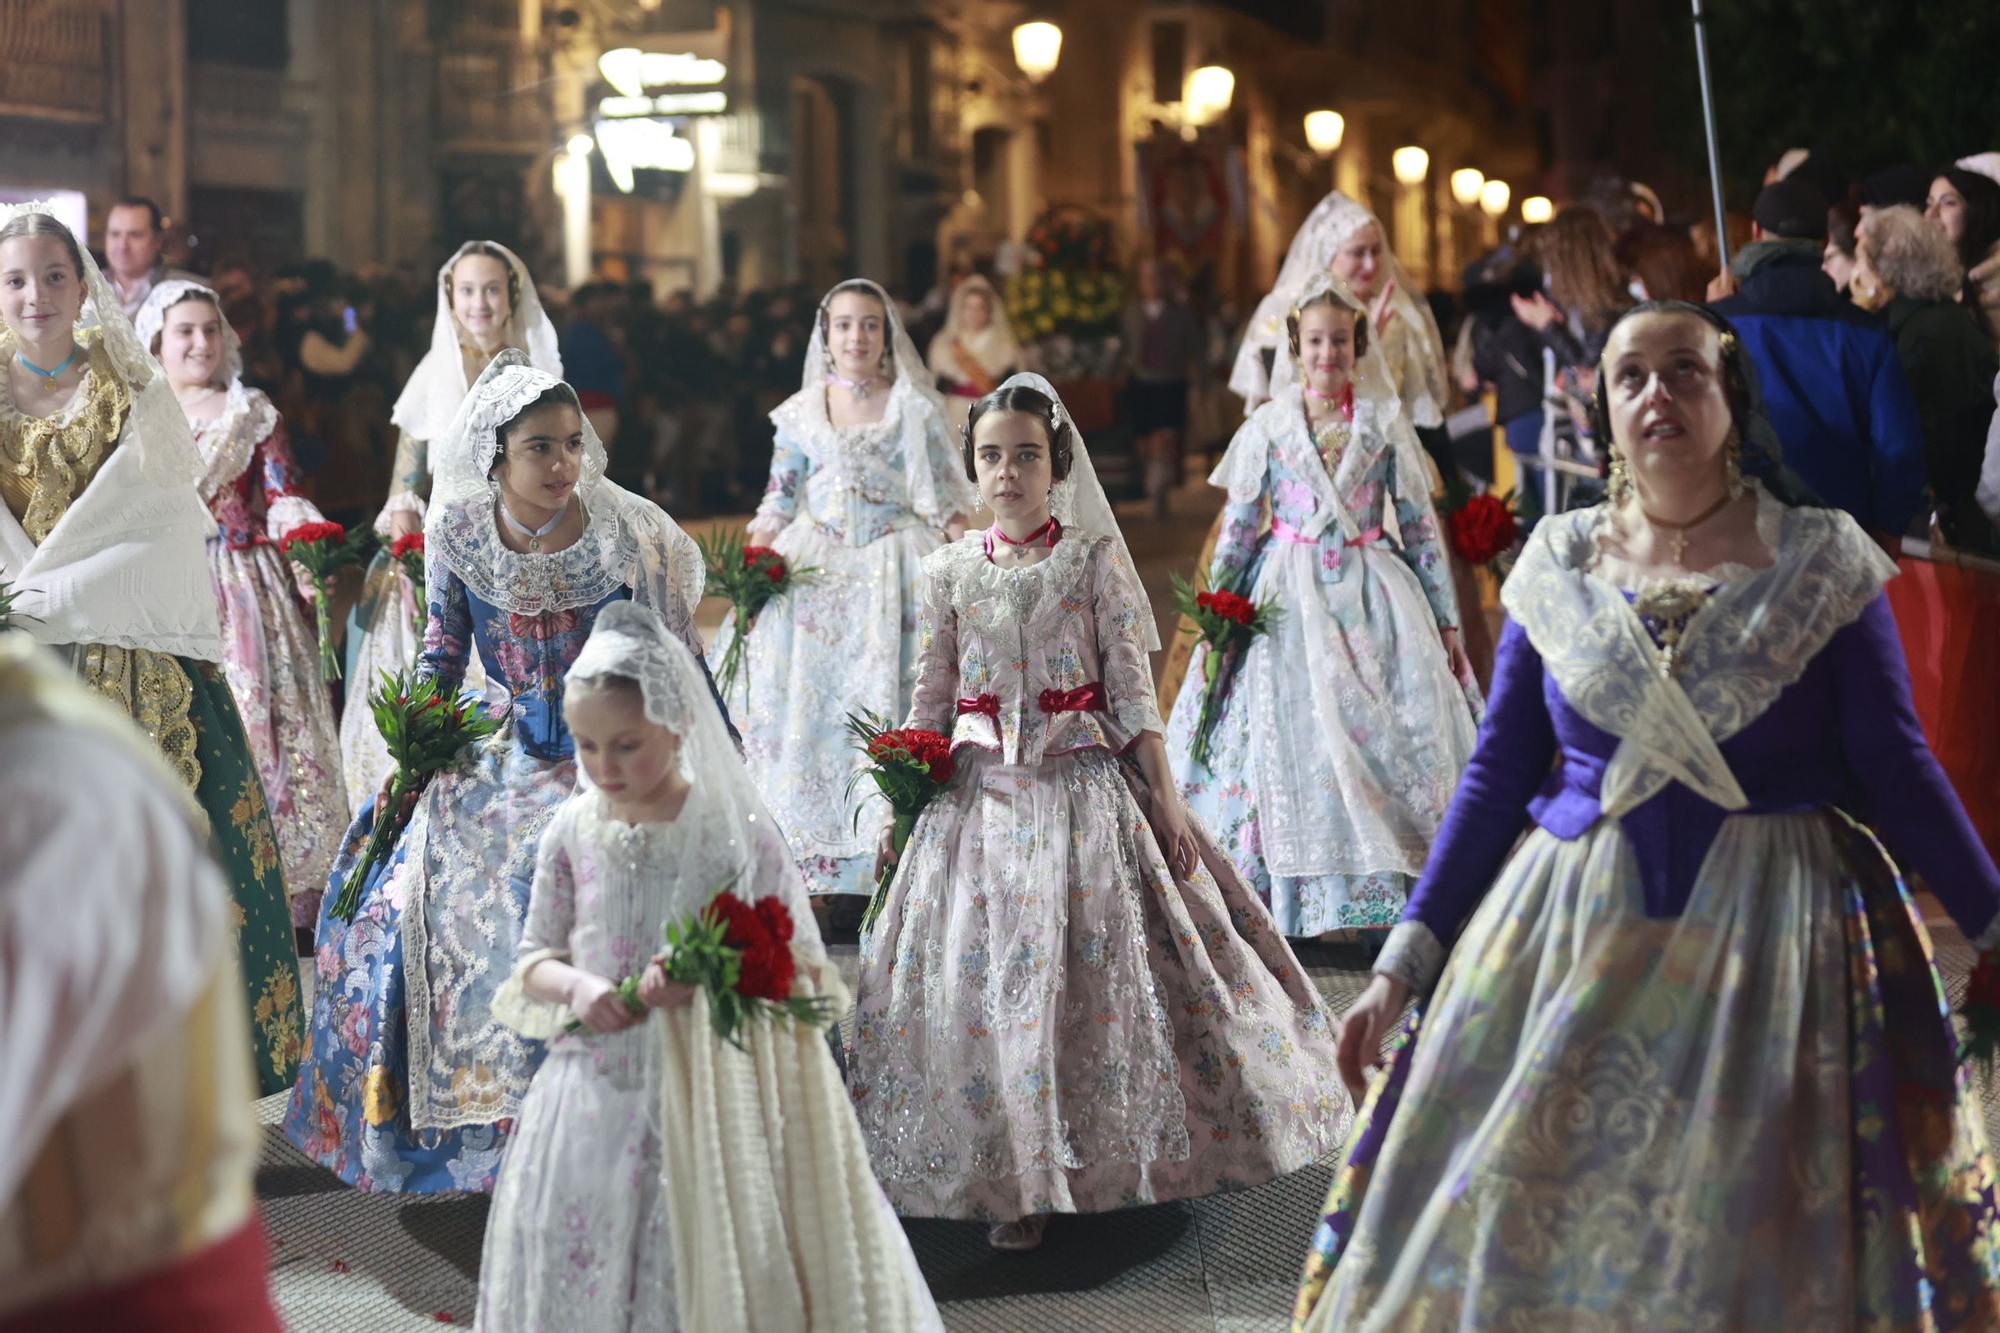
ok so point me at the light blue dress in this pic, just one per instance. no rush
(1343, 732)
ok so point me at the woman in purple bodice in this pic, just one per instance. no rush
(1682, 1059)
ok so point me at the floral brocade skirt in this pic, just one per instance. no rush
(270, 655)
(402, 1035)
(843, 642)
(1048, 1023)
(1747, 1116)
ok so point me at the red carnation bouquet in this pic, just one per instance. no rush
(910, 766)
(749, 576)
(408, 551)
(1482, 527)
(424, 729)
(1225, 621)
(739, 954)
(1981, 1010)
(322, 549)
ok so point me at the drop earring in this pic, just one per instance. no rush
(1619, 486)
(1732, 464)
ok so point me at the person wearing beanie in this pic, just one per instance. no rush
(1833, 387)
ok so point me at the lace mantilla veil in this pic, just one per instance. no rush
(1079, 502)
(248, 417)
(627, 540)
(913, 384)
(1333, 220)
(437, 386)
(159, 596)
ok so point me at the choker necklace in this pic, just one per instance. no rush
(861, 389)
(1046, 535)
(1680, 530)
(49, 374)
(534, 535)
(1345, 397)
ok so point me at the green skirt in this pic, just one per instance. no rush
(246, 846)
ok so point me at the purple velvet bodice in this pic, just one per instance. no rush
(1845, 735)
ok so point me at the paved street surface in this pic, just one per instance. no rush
(345, 1261)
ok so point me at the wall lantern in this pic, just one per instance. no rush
(1324, 131)
(1410, 163)
(1037, 49)
(1536, 208)
(1466, 183)
(1493, 197)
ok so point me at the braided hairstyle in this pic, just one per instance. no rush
(1763, 456)
(1033, 402)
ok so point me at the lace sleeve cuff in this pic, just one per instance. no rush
(287, 512)
(402, 502)
(538, 1020)
(1413, 956)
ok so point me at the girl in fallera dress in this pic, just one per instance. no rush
(410, 1083)
(104, 540)
(486, 301)
(270, 651)
(1681, 1057)
(648, 1183)
(1344, 728)
(1070, 1002)
(863, 479)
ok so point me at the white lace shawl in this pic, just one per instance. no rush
(1752, 640)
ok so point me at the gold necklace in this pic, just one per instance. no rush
(1680, 530)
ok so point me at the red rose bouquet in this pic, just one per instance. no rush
(424, 729)
(1481, 525)
(739, 954)
(910, 766)
(1225, 621)
(749, 576)
(322, 549)
(408, 551)
(1981, 1010)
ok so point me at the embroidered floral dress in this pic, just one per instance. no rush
(1046, 1022)
(83, 482)
(1343, 731)
(271, 655)
(1689, 1064)
(410, 1084)
(864, 505)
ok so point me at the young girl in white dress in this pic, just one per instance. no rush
(1070, 1002)
(658, 1178)
(864, 479)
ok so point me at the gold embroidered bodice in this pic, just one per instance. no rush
(45, 462)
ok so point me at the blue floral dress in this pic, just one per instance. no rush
(409, 1083)
(1342, 730)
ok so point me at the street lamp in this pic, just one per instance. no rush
(1466, 183)
(1410, 163)
(1324, 131)
(1493, 197)
(1207, 93)
(1037, 48)
(1536, 208)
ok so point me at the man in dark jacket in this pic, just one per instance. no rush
(1836, 394)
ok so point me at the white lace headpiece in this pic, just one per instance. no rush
(1333, 220)
(630, 540)
(631, 642)
(1078, 501)
(152, 318)
(437, 386)
(248, 417)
